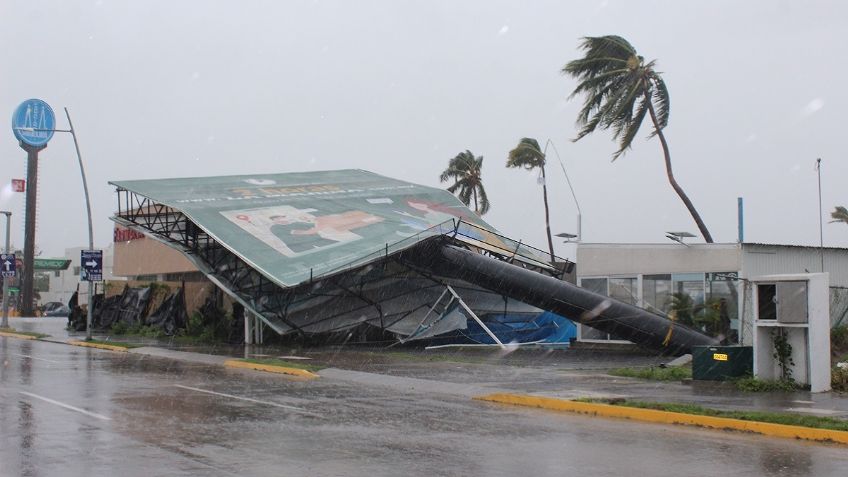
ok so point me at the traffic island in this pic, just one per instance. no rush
(829, 430)
(21, 335)
(274, 366)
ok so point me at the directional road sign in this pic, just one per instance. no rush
(7, 265)
(92, 265)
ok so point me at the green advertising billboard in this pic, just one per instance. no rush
(294, 227)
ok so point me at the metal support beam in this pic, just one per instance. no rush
(476, 318)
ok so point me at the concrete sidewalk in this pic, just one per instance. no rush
(558, 373)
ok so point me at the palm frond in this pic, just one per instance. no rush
(615, 80)
(662, 102)
(839, 214)
(527, 154)
(632, 130)
(465, 170)
(483, 199)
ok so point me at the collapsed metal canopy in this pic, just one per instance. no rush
(326, 251)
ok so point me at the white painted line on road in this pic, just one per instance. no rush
(804, 402)
(242, 398)
(66, 406)
(39, 359)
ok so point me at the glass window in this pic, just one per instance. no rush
(723, 295)
(691, 284)
(656, 292)
(623, 289)
(596, 285)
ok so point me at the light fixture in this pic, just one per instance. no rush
(678, 236)
(567, 236)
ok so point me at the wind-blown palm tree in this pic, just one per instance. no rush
(466, 172)
(621, 89)
(528, 155)
(839, 214)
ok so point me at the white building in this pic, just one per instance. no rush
(649, 276)
(63, 283)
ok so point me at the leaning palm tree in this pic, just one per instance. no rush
(528, 155)
(466, 172)
(621, 88)
(839, 214)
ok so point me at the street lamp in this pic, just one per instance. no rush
(579, 235)
(569, 238)
(679, 236)
(5, 279)
(88, 209)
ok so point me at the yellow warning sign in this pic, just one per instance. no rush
(719, 356)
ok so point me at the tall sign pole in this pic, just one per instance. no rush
(32, 123)
(7, 256)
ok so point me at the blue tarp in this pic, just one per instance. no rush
(546, 327)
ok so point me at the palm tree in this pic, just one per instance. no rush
(466, 172)
(839, 214)
(621, 89)
(528, 155)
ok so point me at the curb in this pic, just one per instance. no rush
(666, 417)
(86, 344)
(234, 363)
(17, 335)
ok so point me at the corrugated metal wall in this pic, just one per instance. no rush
(759, 260)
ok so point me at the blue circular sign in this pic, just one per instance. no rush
(33, 122)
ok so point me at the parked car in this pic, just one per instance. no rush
(55, 308)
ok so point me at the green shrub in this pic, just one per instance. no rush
(119, 328)
(839, 379)
(655, 373)
(839, 338)
(755, 385)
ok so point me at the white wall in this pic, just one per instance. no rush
(631, 259)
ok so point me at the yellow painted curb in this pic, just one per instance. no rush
(86, 344)
(666, 417)
(234, 363)
(17, 335)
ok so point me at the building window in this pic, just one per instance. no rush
(656, 292)
(690, 284)
(76, 271)
(57, 273)
(624, 289)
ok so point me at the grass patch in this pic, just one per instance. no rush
(122, 329)
(115, 343)
(754, 385)
(27, 333)
(655, 373)
(285, 364)
(789, 419)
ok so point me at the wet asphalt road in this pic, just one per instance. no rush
(73, 411)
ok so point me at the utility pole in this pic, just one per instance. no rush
(6, 279)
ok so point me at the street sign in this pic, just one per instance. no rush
(18, 185)
(8, 265)
(33, 123)
(92, 265)
(52, 264)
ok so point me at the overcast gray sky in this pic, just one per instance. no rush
(196, 88)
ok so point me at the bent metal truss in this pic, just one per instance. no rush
(319, 252)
